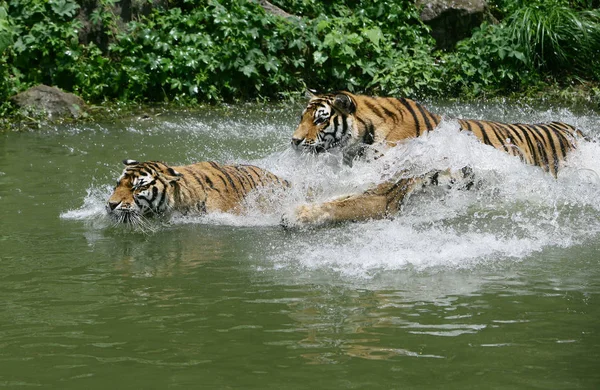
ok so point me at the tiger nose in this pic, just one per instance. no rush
(113, 205)
(296, 141)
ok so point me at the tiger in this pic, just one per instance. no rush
(153, 188)
(382, 201)
(352, 122)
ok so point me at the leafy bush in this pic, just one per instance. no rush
(212, 50)
(557, 38)
(487, 63)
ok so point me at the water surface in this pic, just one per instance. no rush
(496, 287)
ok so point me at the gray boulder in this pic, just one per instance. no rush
(452, 20)
(52, 102)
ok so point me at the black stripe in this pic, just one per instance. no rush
(149, 200)
(258, 172)
(516, 140)
(369, 136)
(248, 175)
(154, 164)
(398, 108)
(199, 179)
(344, 126)
(565, 146)
(499, 136)
(373, 108)
(412, 112)
(562, 138)
(145, 171)
(390, 114)
(162, 199)
(238, 174)
(463, 123)
(223, 180)
(364, 126)
(555, 157)
(544, 161)
(486, 140)
(336, 124)
(527, 135)
(434, 118)
(514, 133)
(425, 118)
(224, 172)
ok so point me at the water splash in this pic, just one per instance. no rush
(515, 210)
(93, 207)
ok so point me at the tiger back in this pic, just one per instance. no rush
(350, 122)
(153, 188)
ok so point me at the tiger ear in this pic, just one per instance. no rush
(311, 93)
(344, 103)
(172, 175)
(130, 162)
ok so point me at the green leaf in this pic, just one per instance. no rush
(374, 35)
(248, 70)
(64, 7)
(322, 25)
(520, 56)
(331, 39)
(349, 51)
(6, 31)
(319, 57)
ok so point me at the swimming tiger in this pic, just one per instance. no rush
(350, 122)
(153, 188)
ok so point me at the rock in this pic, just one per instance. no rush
(452, 20)
(50, 101)
(273, 9)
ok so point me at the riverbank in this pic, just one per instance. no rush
(577, 97)
(194, 52)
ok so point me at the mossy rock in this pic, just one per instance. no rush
(49, 102)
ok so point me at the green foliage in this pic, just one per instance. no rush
(487, 63)
(382, 47)
(213, 50)
(557, 38)
(6, 29)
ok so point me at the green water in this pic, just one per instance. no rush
(241, 303)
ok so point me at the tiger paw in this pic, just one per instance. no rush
(306, 215)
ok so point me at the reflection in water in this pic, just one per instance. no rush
(173, 252)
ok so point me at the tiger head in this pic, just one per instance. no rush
(144, 189)
(326, 122)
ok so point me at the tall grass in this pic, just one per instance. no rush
(555, 37)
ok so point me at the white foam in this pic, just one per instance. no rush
(93, 206)
(515, 210)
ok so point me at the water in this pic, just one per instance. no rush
(497, 287)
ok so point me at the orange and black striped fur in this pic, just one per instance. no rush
(153, 188)
(351, 121)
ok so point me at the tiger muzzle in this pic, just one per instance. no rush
(300, 144)
(297, 143)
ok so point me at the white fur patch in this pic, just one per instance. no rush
(142, 180)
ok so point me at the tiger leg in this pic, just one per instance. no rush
(383, 201)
